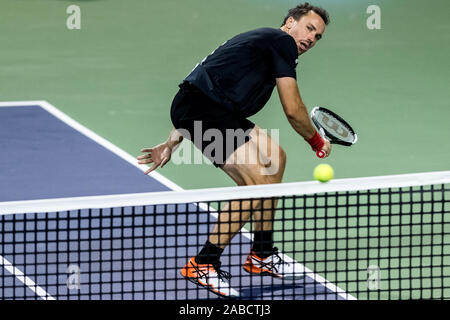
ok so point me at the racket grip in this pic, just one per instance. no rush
(320, 154)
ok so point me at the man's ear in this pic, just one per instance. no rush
(289, 22)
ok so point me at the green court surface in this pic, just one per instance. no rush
(118, 74)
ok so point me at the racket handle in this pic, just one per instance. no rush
(320, 154)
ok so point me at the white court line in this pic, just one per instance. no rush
(160, 178)
(24, 279)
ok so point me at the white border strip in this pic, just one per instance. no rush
(27, 103)
(224, 194)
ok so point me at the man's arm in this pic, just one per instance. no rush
(160, 154)
(297, 114)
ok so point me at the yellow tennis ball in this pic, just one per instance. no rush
(323, 172)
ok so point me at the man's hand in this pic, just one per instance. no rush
(326, 148)
(158, 155)
(161, 154)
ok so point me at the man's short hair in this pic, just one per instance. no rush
(303, 9)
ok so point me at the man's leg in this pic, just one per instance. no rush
(264, 258)
(259, 161)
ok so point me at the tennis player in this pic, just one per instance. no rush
(230, 85)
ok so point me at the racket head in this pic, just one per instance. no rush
(336, 129)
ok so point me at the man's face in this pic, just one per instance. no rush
(306, 31)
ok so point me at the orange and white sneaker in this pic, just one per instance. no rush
(273, 266)
(210, 277)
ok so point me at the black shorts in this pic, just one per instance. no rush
(213, 129)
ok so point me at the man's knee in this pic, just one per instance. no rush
(261, 173)
(273, 170)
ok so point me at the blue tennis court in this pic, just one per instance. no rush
(120, 253)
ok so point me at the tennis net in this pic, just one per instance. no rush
(368, 238)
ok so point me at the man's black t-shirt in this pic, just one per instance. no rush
(240, 74)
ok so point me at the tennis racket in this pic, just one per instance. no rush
(333, 128)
